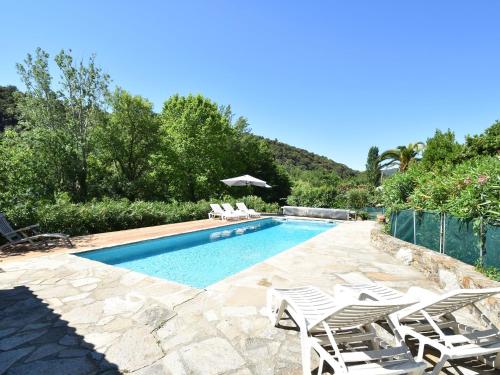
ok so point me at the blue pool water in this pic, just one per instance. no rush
(204, 257)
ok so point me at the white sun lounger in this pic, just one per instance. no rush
(431, 322)
(229, 209)
(217, 211)
(334, 329)
(250, 211)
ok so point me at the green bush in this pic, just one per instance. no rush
(358, 198)
(111, 215)
(362, 215)
(489, 271)
(467, 190)
(303, 194)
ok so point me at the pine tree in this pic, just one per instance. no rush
(372, 166)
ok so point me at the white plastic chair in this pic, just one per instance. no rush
(431, 322)
(250, 211)
(229, 209)
(342, 333)
(217, 211)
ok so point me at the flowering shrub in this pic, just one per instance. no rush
(470, 189)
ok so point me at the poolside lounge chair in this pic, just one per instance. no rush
(217, 211)
(228, 208)
(249, 211)
(431, 322)
(29, 234)
(342, 333)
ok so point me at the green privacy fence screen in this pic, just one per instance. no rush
(450, 235)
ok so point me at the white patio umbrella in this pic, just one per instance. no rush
(245, 180)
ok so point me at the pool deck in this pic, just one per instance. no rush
(63, 314)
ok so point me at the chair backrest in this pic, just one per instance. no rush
(241, 206)
(227, 207)
(360, 313)
(373, 291)
(5, 228)
(216, 208)
(448, 303)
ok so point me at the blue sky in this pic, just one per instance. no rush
(334, 77)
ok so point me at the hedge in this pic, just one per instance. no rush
(112, 215)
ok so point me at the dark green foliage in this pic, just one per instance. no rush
(64, 118)
(293, 157)
(440, 150)
(127, 150)
(489, 271)
(305, 195)
(362, 215)
(111, 215)
(74, 167)
(9, 115)
(200, 137)
(468, 190)
(402, 156)
(373, 166)
(487, 143)
(251, 155)
(358, 198)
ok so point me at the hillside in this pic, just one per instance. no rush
(292, 157)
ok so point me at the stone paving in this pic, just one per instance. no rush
(61, 314)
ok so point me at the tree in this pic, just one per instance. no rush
(252, 155)
(199, 136)
(358, 198)
(373, 166)
(129, 142)
(8, 110)
(441, 149)
(66, 116)
(402, 155)
(487, 143)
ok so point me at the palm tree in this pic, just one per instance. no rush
(402, 155)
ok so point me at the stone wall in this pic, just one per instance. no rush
(447, 271)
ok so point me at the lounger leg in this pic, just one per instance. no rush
(320, 367)
(274, 315)
(496, 363)
(306, 353)
(439, 365)
(67, 241)
(421, 347)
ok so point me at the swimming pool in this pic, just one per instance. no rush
(204, 257)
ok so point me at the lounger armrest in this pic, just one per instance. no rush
(25, 229)
(31, 227)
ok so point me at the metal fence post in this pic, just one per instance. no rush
(414, 229)
(444, 233)
(481, 240)
(396, 225)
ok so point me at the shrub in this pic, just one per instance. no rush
(467, 190)
(397, 190)
(485, 143)
(306, 195)
(358, 198)
(362, 215)
(441, 149)
(111, 215)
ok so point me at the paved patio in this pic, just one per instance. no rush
(61, 314)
